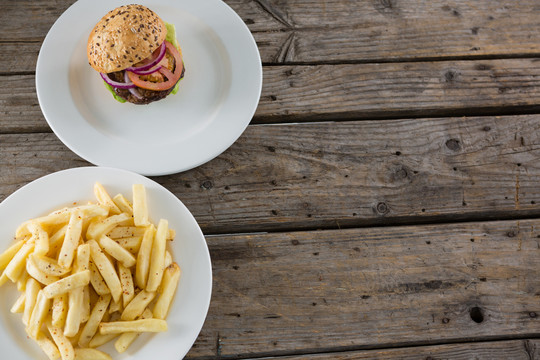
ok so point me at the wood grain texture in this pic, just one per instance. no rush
(493, 350)
(341, 30)
(19, 106)
(391, 30)
(18, 57)
(305, 176)
(390, 286)
(354, 91)
(29, 20)
(301, 93)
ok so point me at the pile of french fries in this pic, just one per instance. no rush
(92, 273)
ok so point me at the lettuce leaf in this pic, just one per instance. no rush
(170, 37)
(171, 34)
(111, 89)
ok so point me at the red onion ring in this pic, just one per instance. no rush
(132, 90)
(152, 63)
(146, 72)
(125, 85)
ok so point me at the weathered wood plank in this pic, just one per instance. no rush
(402, 89)
(28, 20)
(279, 177)
(387, 286)
(19, 106)
(493, 350)
(352, 91)
(390, 30)
(18, 57)
(341, 30)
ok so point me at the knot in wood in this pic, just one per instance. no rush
(453, 144)
(382, 208)
(476, 314)
(450, 76)
(207, 184)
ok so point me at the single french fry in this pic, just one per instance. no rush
(169, 285)
(117, 251)
(18, 305)
(126, 339)
(125, 231)
(85, 312)
(168, 259)
(157, 258)
(73, 318)
(126, 280)
(83, 258)
(103, 226)
(131, 244)
(37, 274)
(106, 269)
(71, 240)
(115, 307)
(123, 204)
(21, 281)
(62, 342)
(143, 257)
(48, 347)
(41, 309)
(67, 284)
(56, 240)
(48, 266)
(133, 231)
(100, 339)
(18, 263)
(59, 310)
(104, 198)
(142, 325)
(140, 208)
(91, 354)
(7, 255)
(32, 290)
(90, 328)
(137, 305)
(41, 238)
(97, 281)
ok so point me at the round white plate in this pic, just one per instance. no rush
(216, 101)
(189, 250)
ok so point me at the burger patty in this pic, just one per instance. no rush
(147, 96)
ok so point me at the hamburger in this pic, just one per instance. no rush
(136, 54)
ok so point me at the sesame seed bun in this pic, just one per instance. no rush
(124, 37)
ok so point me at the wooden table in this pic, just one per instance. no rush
(384, 201)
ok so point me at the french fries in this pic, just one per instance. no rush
(93, 322)
(170, 282)
(157, 259)
(89, 274)
(143, 325)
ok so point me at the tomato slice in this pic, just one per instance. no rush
(172, 77)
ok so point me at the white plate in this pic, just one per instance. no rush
(216, 101)
(189, 250)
